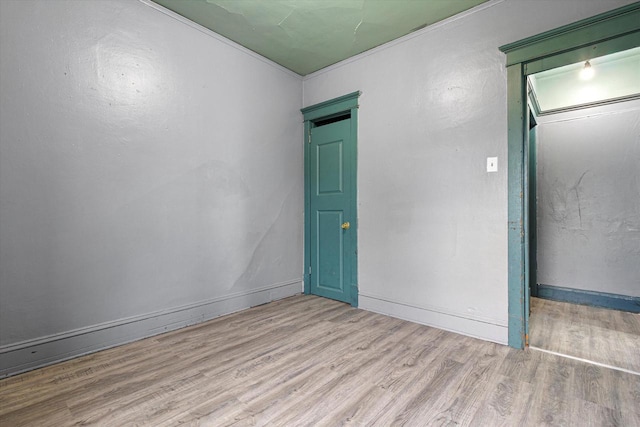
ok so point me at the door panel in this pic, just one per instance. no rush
(329, 251)
(330, 200)
(330, 168)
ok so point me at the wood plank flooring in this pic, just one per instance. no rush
(309, 361)
(600, 335)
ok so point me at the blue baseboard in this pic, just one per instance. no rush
(592, 298)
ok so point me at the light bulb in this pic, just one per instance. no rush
(587, 72)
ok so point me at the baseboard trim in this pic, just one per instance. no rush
(476, 328)
(592, 298)
(31, 354)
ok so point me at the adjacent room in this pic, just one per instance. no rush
(584, 199)
(319, 212)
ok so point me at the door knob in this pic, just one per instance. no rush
(345, 225)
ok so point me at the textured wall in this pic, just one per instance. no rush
(144, 166)
(432, 222)
(589, 200)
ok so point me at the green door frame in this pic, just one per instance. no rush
(532, 231)
(600, 35)
(347, 104)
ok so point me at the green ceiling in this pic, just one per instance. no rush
(307, 35)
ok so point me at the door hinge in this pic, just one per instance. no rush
(309, 135)
(309, 270)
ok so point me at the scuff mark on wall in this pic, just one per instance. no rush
(575, 188)
(564, 204)
(263, 254)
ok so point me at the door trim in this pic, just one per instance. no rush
(602, 34)
(347, 104)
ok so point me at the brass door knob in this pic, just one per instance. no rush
(345, 225)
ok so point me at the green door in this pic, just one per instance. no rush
(331, 152)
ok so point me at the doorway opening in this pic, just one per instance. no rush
(601, 35)
(584, 213)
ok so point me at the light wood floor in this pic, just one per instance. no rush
(311, 361)
(600, 335)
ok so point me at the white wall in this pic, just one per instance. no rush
(432, 222)
(150, 177)
(588, 192)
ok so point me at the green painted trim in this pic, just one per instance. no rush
(573, 37)
(328, 108)
(533, 100)
(592, 298)
(625, 42)
(307, 208)
(601, 27)
(354, 206)
(344, 104)
(533, 210)
(526, 206)
(515, 152)
(588, 105)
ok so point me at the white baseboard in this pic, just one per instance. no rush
(31, 354)
(477, 328)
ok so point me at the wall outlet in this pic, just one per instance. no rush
(492, 164)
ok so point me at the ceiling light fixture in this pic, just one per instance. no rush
(587, 72)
